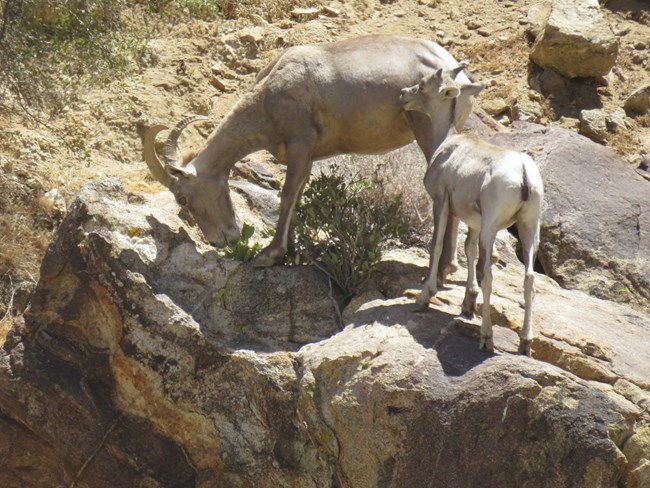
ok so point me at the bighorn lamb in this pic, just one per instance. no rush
(487, 187)
(310, 103)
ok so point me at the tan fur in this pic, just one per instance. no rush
(310, 103)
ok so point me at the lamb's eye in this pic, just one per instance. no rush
(182, 201)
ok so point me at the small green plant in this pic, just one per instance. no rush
(340, 228)
(243, 250)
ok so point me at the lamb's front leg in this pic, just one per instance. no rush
(430, 288)
(471, 287)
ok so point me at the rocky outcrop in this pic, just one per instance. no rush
(146, 359)
(596, 220)
(572, 37)
(639, 101)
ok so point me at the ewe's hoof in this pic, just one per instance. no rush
(525, 347)
(487, 344)
(467, 313)
(450, 269)
(264, 260)
(469, 304)
(422, 302)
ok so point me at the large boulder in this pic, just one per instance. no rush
(145, 359)
(572, 37)
(596, 219)
(639, 101)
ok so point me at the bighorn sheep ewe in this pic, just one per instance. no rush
(487, 187)
(310, 103)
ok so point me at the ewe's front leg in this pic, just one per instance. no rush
(298, 169)
(471, 287)
(448, 258)
(430, 288)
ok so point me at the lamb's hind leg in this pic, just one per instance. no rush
(486, 242)
(430, 287)
(529, 236)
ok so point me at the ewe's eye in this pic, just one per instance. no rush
(182, 201)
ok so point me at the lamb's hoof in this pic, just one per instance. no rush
(487, 344)
(525, 347)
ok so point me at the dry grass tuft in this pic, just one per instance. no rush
(5, 325)
(398, 173)
(27, 223)
(643, 120)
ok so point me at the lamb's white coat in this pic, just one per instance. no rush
(487, 187)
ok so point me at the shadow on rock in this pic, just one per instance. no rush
(455, 340)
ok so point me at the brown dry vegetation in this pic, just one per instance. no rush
(194, 61)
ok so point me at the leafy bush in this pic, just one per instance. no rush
(340, 227)
(49, 50)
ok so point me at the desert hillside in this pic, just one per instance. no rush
(192, 65)
(133, 353)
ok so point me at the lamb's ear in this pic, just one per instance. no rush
(472, 89)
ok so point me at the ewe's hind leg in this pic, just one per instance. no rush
(471, 288)
(529, 241)
(430, 288)
(486, 242)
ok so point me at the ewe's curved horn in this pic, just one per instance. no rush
(170, 149)
(151, 157)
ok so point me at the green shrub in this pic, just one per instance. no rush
(49, 50)
(340, 227)
(243, 250)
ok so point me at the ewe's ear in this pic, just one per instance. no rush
(187, 157)
(472, 89)
(178, 173)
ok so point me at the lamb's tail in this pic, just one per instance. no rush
(525, 185)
